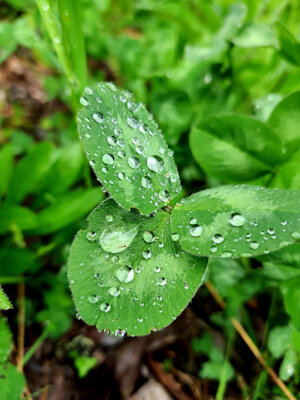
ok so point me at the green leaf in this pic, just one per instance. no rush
(288, 365)
(255, 34)
(5, 340)
(6, 167)
(84, 365)
(12, 382)
(214, 370)
(235, 148)
(291, 299)
(67, 209)
(29, 172)
(237, 221)
(288, 174)
(126, 149)
(279, 340)
(14, 215)
(17, 261)
(285, 120)
(289, 46)
(5, 304)
(289, 256)
(127, 275)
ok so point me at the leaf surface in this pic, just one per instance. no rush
(126, 273)
(237, 221)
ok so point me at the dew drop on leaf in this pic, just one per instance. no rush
(162, 282)
(217, 239)
(147, 254)
(155, 163)
(133, 162)
(104, 307)
(113, 291)
(132, 122)
(93, 299)
(164, 195)
(254, 245)
(108, 159)
(91, 236)
(98, 117)
(193, 221)
(146, 182)
(83, 101)
(236, 220)
(196, 230)
(175, 237)
(117, 238)
(125, 274)
(148, 236)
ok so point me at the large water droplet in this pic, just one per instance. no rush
(155, 163)
(98, 117)
(117, 238)
(108, 159)
(236, 220)
(125, 274)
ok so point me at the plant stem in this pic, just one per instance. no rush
(35, 346)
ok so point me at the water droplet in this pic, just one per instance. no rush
(213, 249)
(132, 106)
(271, 231)
(236, 220)
(143, 128)
(118, 131)
(148, 236)
(104, 307)
(108, 159)
(175, 237)
(296, 235)
(196, 230)
(254, 245)
(93, 299)
(115, 259)
(146, 182)
(162, 282)
(155, 163)
(91, 236)
(98, 117)
(92, 163)
(147, 254)
(121, 175)
(120, 142)
(140, 320)
(113, 291)
(217, 239)
(125, 274)
(164, 195)
(139, 149)
(121, 153)
(132, 122)
(193, 221)
(112, 140)
(117, 238)
(227, 254)
(83, 101)
(109, 218)
(133, 162)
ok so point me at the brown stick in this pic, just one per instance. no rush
(249, 342)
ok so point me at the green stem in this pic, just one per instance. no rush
(35, 346)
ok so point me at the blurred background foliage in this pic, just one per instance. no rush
(187, 60)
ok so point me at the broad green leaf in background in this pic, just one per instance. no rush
(285, 120)
(126, 273)
(279, 340)
(289, 256)
(5, 340)
(235, 148)
(12, 382)
(29, 172)
(289, 364)
(126, 149)
(67, 209)
(6, 167)
(289, 46)
(11, 215)
(237, 221)
(254, 34)
(291, 298)
(288, 175)
(5, 304)
(16, 261)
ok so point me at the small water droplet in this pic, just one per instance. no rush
(91, 236)
(133, 162)
(108, 159)
(112, 140)
(104, 307)
(162, 282)
(98, 117)
(217, 239)
(146, 182)
(121, 176)
(175, 237)
(132, 122)
(193, 221)
(93, 299)
(125, 274)
(147, 254)
(109, 218)
(148, 236)
(83, 101)
(236, 220)
(164, 195)
(113, 291)
(254, 245)
(196, 230)
(296, 235)
(155, 163)
(92, 163)
(143, 128)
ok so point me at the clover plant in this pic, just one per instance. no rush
(143, 257)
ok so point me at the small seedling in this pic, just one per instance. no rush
(141, 260)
